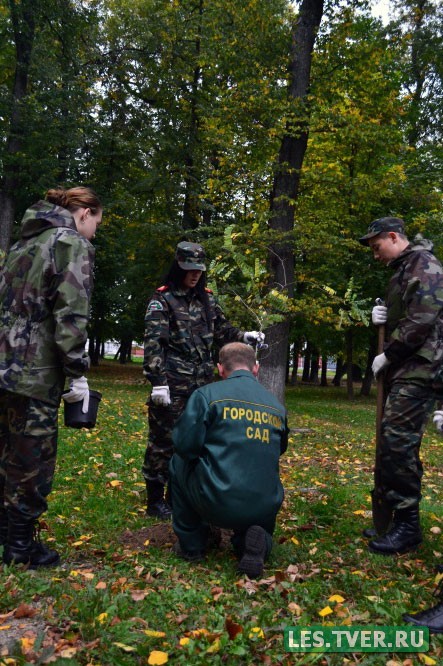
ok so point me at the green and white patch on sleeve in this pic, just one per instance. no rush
(154, 305)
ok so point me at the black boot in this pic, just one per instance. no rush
(431, 617)
(3, 526)
(23, 545)
(157, 505)
(404, 535)
(255, 551)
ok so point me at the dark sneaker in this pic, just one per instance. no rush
(432, 618)
(253, 558)
(160, 510)
(194, 556)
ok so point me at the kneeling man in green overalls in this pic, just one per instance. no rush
(225, 469)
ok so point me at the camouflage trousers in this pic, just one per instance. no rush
(406, 411)
(161, 422)
(159, 450)
(28, 450)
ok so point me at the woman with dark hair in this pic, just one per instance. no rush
(182, 323)
(45, 290)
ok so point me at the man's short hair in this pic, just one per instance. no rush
(235, 355)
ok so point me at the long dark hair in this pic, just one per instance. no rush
(174, 278)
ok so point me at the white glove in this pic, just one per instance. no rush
(160, 395)
(379, 314)
(379, 363)
(438, 420)
(78, 390)
(254, 337)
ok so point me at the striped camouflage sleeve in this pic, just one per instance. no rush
(71, 293)
(156, 340)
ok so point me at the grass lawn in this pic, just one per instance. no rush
(122, 597)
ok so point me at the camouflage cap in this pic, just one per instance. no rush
(190, 256)
(383, 224)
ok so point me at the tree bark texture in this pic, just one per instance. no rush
(285, 188)
(23, 22)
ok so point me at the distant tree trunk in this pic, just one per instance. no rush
(324, 371)
(315, 367)
(306, 364)
(94, 349)
(338, 372)
(367, 379)
(23, 24)
(349, 364)
(294, 365)
(125, 350)
(191, 204)
(286, 185)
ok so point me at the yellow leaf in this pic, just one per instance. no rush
(256, 632)
(184, 641)
(296, 541)
(146, 543)
(337, 598)
(126, 648)
(154, 634)
(215, 647)
(115, 483)
(102, 617)
(27, 643)
(68, 653)
(325, 611)
(156, 658)
(427, 660)
(78, 543)
(359, 512)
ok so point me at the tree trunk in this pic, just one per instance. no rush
(294, 365)
(306, 364)
(367, 379)
(23, 23)
(315, 366)
(338, 372)
(349, 364)
(286, 185)
(324, 371)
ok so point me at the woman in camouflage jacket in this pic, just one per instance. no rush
(183, 321)
(45, 289)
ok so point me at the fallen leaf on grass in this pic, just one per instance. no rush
(138, 595)
(128, 648)
(232, 628)
(156, 658)
(153, 633)
(256, 632)
(427, 660)
(295, 609)
(325, 611)
(336, 597)
(24, 611)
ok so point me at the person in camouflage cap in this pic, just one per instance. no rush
(45, 289)
(183, 321)
(413, 352)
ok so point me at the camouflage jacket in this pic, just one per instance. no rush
(414, 329)
(178, 339)
(45, 288)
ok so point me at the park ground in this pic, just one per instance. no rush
(121, 597)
